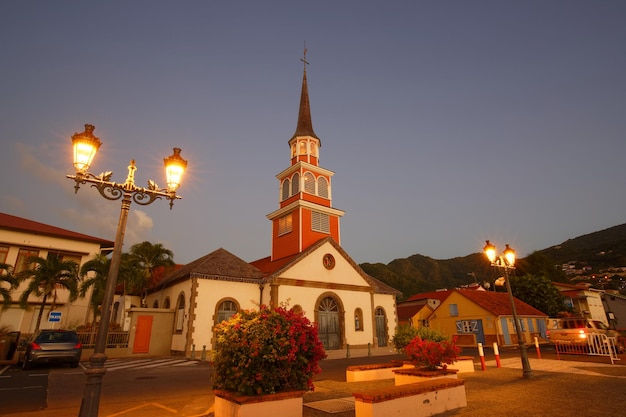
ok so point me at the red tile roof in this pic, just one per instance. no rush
(24, 225)
(405, 312)
(437, 295)
(498, 303)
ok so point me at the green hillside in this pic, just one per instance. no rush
(418, 273)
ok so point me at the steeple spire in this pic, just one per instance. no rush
(305, 126)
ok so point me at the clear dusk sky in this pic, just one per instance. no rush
(446, 122)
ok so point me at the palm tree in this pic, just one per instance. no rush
(99, 268)
(46, 277)
(6, 276)
(147, 257)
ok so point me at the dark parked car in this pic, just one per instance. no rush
(52, 346)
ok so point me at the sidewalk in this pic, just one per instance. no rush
(559, 388)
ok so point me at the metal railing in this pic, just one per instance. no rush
(596, 344)
(114, 339)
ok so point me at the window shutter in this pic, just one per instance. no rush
(322, 187)
(320, 222)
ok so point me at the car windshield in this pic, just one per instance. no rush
(600, 325)
(54, 337)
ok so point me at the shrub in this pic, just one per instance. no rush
(432, 355)
(406, 333)
(266, 351)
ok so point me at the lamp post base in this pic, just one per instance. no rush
(527, 372)
(90, 404)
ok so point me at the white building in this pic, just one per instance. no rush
(21, 238)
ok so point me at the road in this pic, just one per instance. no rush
(171, 385)
(136, 380)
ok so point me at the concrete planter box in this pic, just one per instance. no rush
(411, 376)
(420, 399)
(232, 404)
(373, 372)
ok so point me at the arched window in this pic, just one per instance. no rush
(358, 319)
(328, 304)
(180, 314)
(309, 183)
(295, 184)
(302, 150)
(155, 304)
(285, 193)
(322, 187)
(226, 310)
(166, 303)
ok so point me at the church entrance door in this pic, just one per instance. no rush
(328, 315)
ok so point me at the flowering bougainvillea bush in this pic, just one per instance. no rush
(430, 354)
(266, 351)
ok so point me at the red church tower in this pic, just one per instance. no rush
(305, 214)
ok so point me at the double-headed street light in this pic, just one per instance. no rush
(506, 262)
(85, 146)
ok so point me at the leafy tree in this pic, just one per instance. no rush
(6, 276)
(539, 292)
(46, 276)
(94, 274)
(132, 275)
(146, 257)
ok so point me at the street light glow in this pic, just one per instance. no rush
(85, 146)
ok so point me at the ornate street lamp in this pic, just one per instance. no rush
(506, 262)
(85, 146)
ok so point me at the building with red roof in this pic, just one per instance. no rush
(22, 238)
(477, 316)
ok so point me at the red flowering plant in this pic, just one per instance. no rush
(431, 355)
(266, 351)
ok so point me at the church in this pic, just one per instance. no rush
(307, 269)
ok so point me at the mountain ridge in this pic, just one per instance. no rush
(419, 273)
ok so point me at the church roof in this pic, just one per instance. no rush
(219, 264)
(272, 269)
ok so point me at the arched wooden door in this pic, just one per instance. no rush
(328, 323)
(381, 327)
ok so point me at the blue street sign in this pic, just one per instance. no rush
(54, 316)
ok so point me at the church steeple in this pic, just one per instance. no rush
(305, 125)
(305, 214)
(304, 144)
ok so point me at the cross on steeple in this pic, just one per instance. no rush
(303, 59)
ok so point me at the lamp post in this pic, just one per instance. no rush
(85, 146)
(506, 262)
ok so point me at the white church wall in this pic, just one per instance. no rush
(307, 297)
(210, 294)
(312, 268)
